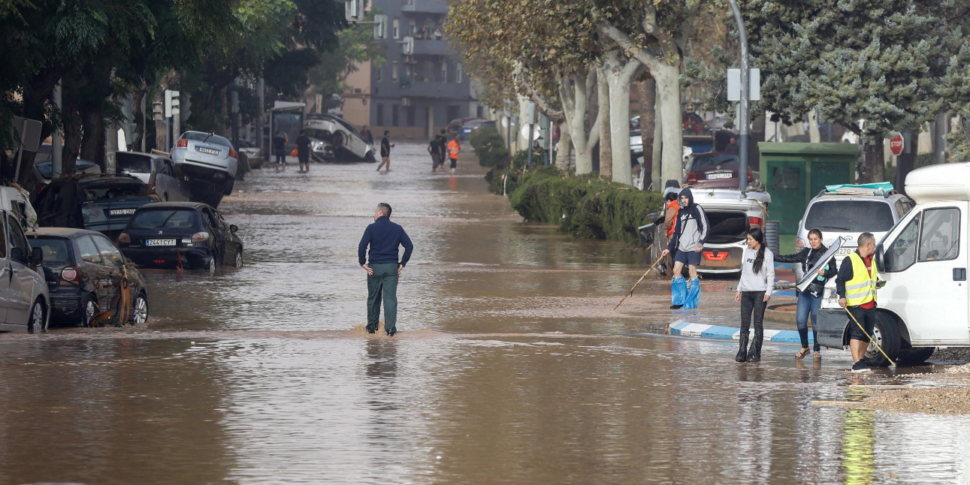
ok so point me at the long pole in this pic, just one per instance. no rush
(743, 124)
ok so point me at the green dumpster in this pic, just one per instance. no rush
(794, 173)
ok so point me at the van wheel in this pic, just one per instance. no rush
(38, 316)
(886, 334)
(916, 355)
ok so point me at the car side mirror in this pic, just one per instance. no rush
(17, 254)
(880, 257)
(36, 256)
(233, 228)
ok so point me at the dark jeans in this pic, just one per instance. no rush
(865, 316)
(304, 157)
(454, 162)
(281, 156)
(382, 285)
(753, 301)
(808, 305)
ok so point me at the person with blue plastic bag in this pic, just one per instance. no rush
(690, 234)
(754, 290)
(810, 300)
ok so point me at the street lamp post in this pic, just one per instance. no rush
(744, 132)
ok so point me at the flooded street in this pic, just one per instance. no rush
(509, 367)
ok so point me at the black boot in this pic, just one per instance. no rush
(754, 354)
(743, 350)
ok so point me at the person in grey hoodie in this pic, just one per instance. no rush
(690, 234)
(754, 290)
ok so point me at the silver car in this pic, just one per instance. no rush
(849, 212)
(25, 302)
(157, 171)
(208, 157)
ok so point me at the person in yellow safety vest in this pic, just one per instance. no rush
(453, 149)
(856, 284)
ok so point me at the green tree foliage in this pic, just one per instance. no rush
(490, 147)
(356, 45)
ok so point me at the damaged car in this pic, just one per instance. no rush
(347, 143)
(102, 203)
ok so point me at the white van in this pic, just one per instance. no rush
(923, 259)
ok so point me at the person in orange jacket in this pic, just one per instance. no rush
(453, 150)
(670, 217)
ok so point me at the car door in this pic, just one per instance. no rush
(229, 257)
(93, 270)
(216, 233)
(112, 262)
(926, 276)
(21, 275)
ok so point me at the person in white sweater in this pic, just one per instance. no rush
(754, 290)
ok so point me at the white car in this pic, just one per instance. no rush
(26, 302)
(347, 143)
(207, 157)
(157, 171)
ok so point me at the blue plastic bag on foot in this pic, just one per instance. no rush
(693, 295)
(678, 291)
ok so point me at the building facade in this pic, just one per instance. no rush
(422, 86)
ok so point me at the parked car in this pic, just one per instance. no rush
(715, 171)
(692, 123)
(471, 126)
(102, 203)
(160, 173)
(190, 234)
(208, 159)
(25, 304)
(253, 153)
(85, 275)
(849, 211)
(14, 200)
(346, 142)
(731, 214)
(44, 171)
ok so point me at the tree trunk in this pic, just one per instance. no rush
(71, 118)
(648, 99)
(576, 97)
(906, 161)
(668, 92)
(619, 75)
(138, 113)
(874, 165)
(92, 144)
(656, 148)
(603, 102)
(564, 148)
(813, 134)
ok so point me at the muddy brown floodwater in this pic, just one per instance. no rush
(509, 368)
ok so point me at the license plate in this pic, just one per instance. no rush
(160, 242)
(122, 212)
(207, 150)
(844, 251)
(719, 175)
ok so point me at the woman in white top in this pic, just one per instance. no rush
(754, 290)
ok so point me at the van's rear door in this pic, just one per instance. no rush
(926, 283)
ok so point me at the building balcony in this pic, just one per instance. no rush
(425, 6)
(432, 48)
(438, 90)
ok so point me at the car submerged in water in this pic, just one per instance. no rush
(191, 235)
(210, 162)
(346, 143)
(102, 203)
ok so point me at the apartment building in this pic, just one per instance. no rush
(422, 85)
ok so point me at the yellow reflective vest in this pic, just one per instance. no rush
(861, 289)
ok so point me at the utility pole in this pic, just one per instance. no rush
(261, 143)
(234, 103)
(744, 132)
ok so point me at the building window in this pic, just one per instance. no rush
(412, 28)
(380, 115)
(458, 72)
(394, 71)
(444, 72)
(394, 112)
(396, 28)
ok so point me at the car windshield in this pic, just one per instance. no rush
(55, 250)
(850, 215)
(473, 123)
(129, 162)
(165, 219)
(714, 160)
(113, 188)
(206, 137)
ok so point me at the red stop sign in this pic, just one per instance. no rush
(896, 144)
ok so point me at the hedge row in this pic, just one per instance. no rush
(587, 206)
(489, 147)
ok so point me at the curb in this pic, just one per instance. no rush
(685, 328)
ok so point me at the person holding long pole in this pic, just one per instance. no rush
(810, 300)
(754, 291)
(690, 234)
(856, 284)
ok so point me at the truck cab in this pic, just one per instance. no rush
(923, 259)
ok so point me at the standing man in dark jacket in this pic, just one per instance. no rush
(810, 300)
(690, 234)
(382, 266)
(386, 146)
(434, 148)
(303, 151)
(279, 149)
(856, 283)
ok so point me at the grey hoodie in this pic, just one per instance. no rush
(692, 226)
(751, 281)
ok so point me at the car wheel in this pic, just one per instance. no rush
(238, 263)
(227, 189)
(337, 140)
(370, 157)
(38, 317)
(139, 312)
(210, 266)
(90, 308)
(165, 196)
(885, 333)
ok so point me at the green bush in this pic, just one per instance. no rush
(489, 147)
(585, 206)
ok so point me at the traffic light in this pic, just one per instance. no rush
(158, 111)
(171, 103)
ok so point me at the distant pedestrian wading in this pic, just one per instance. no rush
(453, 149)
(856, 284)
(754, 291)
(690, 234)
(383, 268)
(386, 146)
